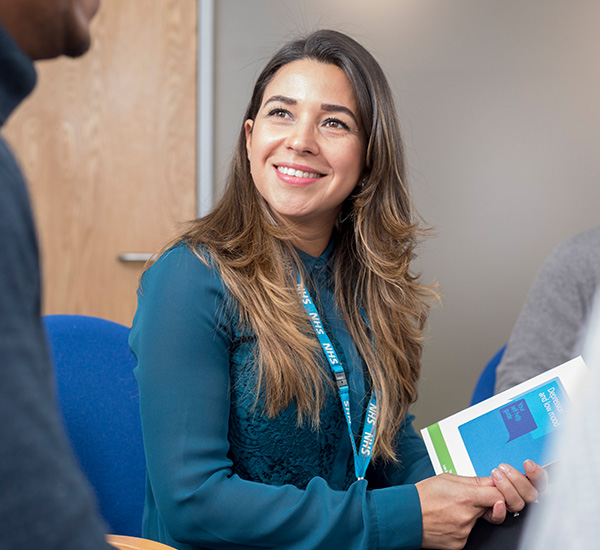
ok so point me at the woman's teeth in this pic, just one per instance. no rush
(297, 173)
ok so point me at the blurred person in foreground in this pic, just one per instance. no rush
(44, 500)
(567, 517)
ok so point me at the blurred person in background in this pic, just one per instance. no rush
(552, 325)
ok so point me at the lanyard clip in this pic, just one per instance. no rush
(340, 378)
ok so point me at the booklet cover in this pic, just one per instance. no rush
(510, 427)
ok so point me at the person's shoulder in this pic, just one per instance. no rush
(181, 257)
(182, 266)
(586, 239)
(575, 259)
(578, 247)
(179, 273)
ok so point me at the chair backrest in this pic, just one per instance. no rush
(487, 379)
(99, 400)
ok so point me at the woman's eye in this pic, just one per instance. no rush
(280, 113)
(336, 124)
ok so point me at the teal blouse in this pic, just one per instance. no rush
(223, 475)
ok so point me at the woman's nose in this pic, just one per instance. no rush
(302, 139)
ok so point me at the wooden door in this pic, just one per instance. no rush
(108, 144)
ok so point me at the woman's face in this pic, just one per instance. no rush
(306, 145)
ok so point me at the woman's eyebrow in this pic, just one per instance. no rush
(332, 108)
(282, 99)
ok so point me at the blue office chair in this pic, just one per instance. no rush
(98, 397)
(487, 379)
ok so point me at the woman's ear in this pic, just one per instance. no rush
(248, 129)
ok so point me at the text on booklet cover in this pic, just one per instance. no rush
(510, 427)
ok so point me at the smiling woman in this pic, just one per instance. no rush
(307, 149)
(279, 338)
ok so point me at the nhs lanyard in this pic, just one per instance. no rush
(363, 456)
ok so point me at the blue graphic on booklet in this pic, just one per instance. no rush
(516, 431)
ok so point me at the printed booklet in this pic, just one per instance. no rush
(509, 427)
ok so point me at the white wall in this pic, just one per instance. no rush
(500, 107)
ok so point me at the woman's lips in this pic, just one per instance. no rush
(297, 175)
(288, 171)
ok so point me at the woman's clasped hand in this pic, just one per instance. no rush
(451, 504)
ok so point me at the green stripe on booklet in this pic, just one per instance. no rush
(441, 450)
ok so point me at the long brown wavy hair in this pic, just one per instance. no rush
(376, 236)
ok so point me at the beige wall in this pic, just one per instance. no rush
(500, 107)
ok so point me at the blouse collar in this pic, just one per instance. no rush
(316, 263)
